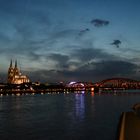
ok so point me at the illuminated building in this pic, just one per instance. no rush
(15, 76)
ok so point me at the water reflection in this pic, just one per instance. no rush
(92, 93)
(80, 106)
(72, 116)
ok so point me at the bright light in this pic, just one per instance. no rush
(82, 84)
(71, 83)
(92, 89)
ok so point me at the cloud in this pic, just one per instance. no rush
(115, 68)
(96, 71)
(93, 64)
(99, 22)
(87, 54)
(116, 43)
(60, 59)
(82, 32)
(44, 75)
(107, 69)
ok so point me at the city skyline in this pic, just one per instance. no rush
(70, 40)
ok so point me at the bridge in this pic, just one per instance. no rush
(119, 83)
(111, 83)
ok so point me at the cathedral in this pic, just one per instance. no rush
(15, 76)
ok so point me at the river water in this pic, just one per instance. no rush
(63, 116)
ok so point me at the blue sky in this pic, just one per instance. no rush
(58, 40)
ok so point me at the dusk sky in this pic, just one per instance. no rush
(71, 40)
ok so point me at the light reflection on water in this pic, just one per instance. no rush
(63, 116)
(80, 106)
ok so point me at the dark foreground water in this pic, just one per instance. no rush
(62, 117)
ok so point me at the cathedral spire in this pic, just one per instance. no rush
(10, 72)
(16, 64)
(11, 64)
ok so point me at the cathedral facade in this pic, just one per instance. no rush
(15, 76)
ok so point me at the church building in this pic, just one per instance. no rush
(15, 76)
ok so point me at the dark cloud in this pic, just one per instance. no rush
(99, 22)
(106, 69)
(46, 75)
(94, 72)
(87, 54)
(116, 68)
(82, 32)
(60, 59)
(116, 43)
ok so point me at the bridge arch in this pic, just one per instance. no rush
(118, 82)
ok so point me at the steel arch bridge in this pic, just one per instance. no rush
(119, 82)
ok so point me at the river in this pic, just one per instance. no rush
(63, 116)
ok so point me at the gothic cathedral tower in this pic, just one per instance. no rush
(16, 70)
(10, 73)
(14, 75)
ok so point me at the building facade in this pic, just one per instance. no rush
(15, 76)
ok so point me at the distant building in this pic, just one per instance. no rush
(15, 76)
